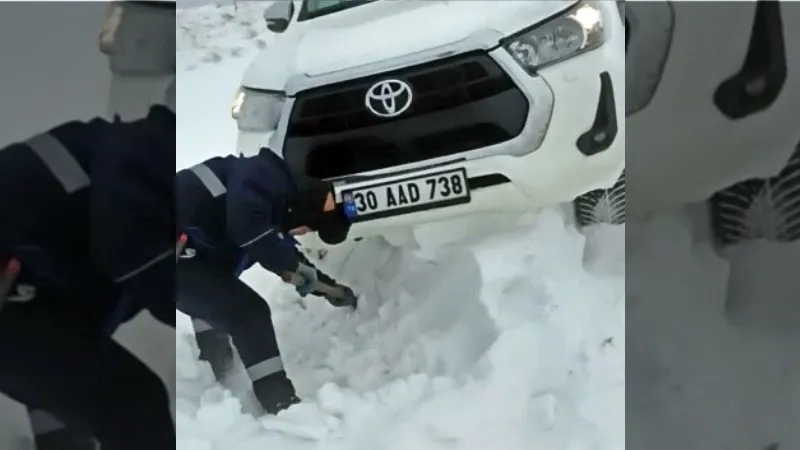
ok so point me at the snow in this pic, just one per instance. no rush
(701, 375)
(526, 346)
(503, 332)
(467, 337)
(210, 34)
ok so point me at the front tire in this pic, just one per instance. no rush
(759, 208)
(601, 205)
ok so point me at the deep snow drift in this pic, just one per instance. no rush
(511, 338)
(501, 340)
(701, 375)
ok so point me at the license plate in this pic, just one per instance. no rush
(407, 195)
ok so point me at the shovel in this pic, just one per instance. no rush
(319, 286)
(289, 277)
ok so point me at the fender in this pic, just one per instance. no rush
(728, 82)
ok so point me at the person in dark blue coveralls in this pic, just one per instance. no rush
(238, 211)
(88, 213)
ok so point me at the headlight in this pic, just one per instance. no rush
(108, 27)
(577, 30)
(236, 104)
(256, 110)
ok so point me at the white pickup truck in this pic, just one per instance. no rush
(426, 110)
(713, 95)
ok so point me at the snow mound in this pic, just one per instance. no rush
(213, 34)
(709, 368)
(504, 340)
(763, 286)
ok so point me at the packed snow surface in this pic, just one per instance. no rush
(703, 374)
(499, 340)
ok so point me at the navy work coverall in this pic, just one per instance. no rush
(88, 209)
(234, 212)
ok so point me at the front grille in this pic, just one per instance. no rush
(437, 87)
(460, 103)
(369, 153)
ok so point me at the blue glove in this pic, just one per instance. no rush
(349, 298)
(309, 276)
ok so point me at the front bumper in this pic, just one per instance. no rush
(572, 141)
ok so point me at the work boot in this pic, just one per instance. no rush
(64, 440)
(275, 393)
(49, 433)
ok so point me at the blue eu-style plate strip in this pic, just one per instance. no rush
(350, 209)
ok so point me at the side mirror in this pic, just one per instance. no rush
(278, 15)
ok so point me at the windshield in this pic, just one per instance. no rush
(315, 8)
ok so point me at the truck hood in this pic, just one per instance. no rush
(390, 29)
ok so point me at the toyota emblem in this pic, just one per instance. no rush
(389, 98)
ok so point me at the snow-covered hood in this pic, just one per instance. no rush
(386, 30)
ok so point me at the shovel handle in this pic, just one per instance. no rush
(327, 289)
(324, 288)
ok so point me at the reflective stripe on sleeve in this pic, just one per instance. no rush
(209, 180)
(59, 161)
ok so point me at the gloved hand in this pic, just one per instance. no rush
(309, 276)
(349, 298)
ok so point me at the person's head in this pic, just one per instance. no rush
(315, 209)
(328, 207)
